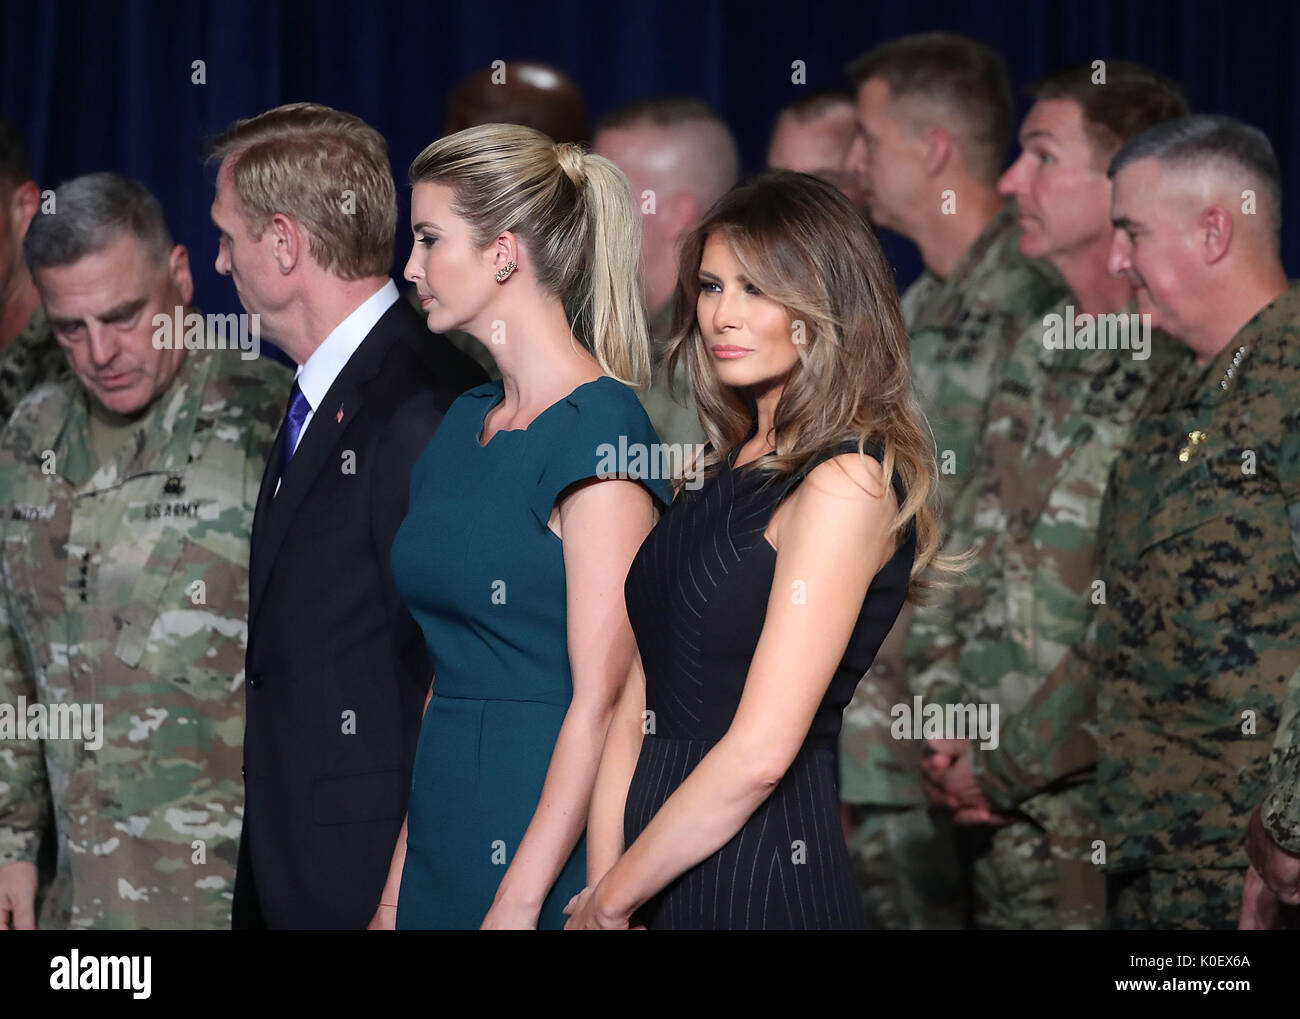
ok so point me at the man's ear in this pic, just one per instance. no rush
(937, 150)
(1215, 228)
(178, 268)
(23, 204)
(289, 242)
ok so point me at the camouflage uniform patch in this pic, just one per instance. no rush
(33, 359)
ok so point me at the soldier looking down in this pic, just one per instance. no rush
(127, 497)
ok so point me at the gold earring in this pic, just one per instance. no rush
(505, 271)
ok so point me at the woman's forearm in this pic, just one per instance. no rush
(393, 884)
(699, 818)
(561, 813)
(617, 765)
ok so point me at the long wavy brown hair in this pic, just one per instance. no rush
(804, 245)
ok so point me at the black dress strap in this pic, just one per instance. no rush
(870, 447)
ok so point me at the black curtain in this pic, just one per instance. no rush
(109, 85)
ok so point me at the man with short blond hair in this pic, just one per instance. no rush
(337, 670)
(328, 170)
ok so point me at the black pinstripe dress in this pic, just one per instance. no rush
(697, 595)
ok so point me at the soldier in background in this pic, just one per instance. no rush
(520, 92)
(127, 496)
(28, 354)
(813, 135)
(935, 119)
(1058, 417)
(679, 157)
(1196, 640)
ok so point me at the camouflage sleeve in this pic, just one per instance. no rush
(876, 768)
(24, 786)
(933, 642)
(1053, 739)
(933, 650)
(1050, 742)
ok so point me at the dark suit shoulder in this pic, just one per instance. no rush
(428, 359)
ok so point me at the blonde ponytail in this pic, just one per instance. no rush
(620, 336)
(575, 214)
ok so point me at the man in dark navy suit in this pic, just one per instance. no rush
(336, 669)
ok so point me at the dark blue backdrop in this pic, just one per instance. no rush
(108, 85)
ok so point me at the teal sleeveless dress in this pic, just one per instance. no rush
(483, 576)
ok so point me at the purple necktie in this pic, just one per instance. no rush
(299, 408)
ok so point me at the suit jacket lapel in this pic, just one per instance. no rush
(319, 449)
(259, 565)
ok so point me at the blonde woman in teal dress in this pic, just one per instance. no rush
(517, 539)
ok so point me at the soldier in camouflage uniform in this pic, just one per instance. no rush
(962, 328)
(127, 496)
(977, 295)
(1196, 639)
(1059, 416)
(28, 354)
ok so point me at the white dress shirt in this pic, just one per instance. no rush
(328, 360)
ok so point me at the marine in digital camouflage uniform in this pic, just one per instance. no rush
(961, 330)
(126, 585)
(1056, 422)
(32, 359)
(1196, 641)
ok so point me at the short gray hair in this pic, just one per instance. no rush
(1220, 142)
(90, 213)
(965, 78)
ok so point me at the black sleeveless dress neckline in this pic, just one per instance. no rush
(697, 596)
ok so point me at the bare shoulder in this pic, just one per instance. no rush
(853, 476)
(845, 494)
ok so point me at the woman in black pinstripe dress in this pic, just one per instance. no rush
(762, 595)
